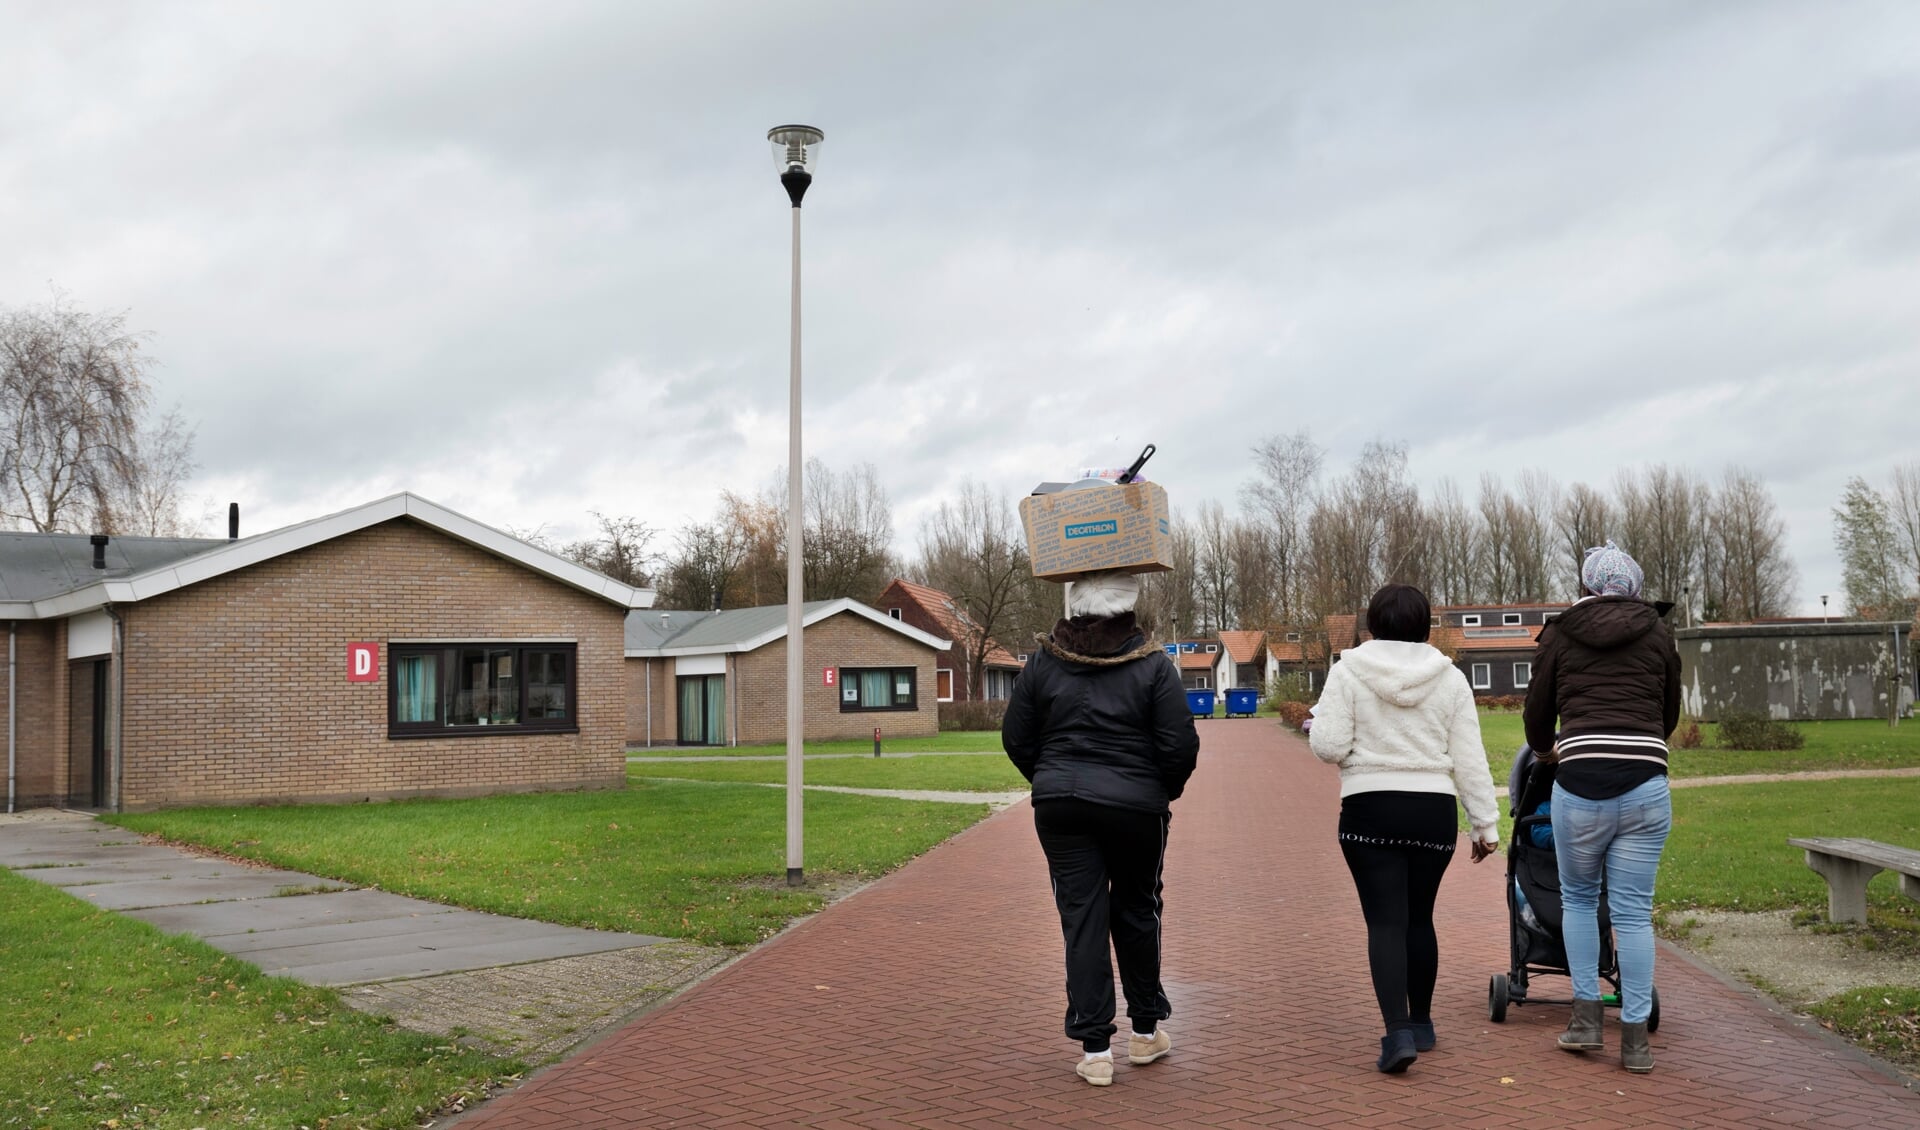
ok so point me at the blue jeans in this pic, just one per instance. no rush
(1620, 839)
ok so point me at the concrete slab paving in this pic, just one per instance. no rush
(322, 935)
(213, 920)
(140, 893)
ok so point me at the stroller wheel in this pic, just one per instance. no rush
(1653, 1018)
(1497, 999)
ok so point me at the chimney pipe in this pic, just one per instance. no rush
(233, 521)
(99, 550)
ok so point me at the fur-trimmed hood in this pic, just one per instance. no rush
(1098, 641)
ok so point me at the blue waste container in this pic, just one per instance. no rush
(1243, 702)
(1200, 703)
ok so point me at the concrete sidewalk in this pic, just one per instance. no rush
(290, 924)
(933, 998)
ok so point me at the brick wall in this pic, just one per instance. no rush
(846, 640)
(236, 687)
(757, 687)
(40, 765)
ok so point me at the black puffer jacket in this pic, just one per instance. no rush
(1607, 665)
(1099, 715)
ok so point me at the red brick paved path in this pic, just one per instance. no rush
(934, 998)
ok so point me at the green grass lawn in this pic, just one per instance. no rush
(990, 772)
(947, 741)
(1862, 743)
(111, 1023)
(686, 860)
(1729, 847)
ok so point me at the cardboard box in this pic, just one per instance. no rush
(1071, 533)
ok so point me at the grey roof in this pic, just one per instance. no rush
(648, 630)
(35, 566)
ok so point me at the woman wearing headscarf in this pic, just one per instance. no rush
(1399, 720)
(1608, 671)
(1098, 722)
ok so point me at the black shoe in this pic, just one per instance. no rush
(1397, 1052)
(1423, 1035)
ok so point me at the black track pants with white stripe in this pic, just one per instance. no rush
(1105, 863)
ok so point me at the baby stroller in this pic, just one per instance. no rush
(1533, 901)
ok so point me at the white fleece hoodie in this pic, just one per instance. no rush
(1399, 716)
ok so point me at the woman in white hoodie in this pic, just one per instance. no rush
(1399, 720)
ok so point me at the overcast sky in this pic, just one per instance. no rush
(531, 260)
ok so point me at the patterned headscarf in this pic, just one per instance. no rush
(1608, 571)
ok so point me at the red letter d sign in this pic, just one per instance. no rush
(363, 663)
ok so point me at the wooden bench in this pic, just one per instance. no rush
(1847, 865)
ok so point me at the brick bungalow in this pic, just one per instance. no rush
(395, 649)
(1493, 645)
(720, 678)
(937, 614)
(1243, 660)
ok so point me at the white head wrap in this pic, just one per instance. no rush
(1102, 594)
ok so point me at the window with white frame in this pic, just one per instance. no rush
(1212, 648)
(1293, 637)
(1483, 676)
(943, 684)
(1522, 675)
(1470, 620)
(1510, 619)
(894, 612)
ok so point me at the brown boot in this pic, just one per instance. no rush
(1583, 1030)
(1636, 1054)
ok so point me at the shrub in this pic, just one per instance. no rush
(1740, 729)
(1687, 736)
(1505, 703)
(1293, 713)
(972, 715)
(1291, 686)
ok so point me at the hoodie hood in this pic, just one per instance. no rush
(1607, 622)
(1402, 673)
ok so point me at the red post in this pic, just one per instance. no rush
(876, 741)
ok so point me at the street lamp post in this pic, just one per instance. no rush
(1823, 608)
(795, 150)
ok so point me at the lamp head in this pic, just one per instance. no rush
(795, 147)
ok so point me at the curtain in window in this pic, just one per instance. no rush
(876, 688)
(716, 709)
(546, 685)
(693, 711)
(416, 689)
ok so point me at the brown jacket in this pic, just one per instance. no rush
(1607, 665)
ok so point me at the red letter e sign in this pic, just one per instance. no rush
(832, 675)
(363, 663)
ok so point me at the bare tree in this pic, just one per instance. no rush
(163, 463)
(1214, 565)
(1497, 513)
(1169, 602)
(1282, 496)
(1364, 529)
(848, 541)
(705, 568)
(1903, 504)
(73, 390)
(1530, 533)
(1660, 519)
(974, 550)
(621, 551)
(1455, 561)
(1583, 519)
(1256, 586)
(1751, 575)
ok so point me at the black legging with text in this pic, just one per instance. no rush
(1398, 845)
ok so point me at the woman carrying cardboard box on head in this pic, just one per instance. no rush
(1098, 722)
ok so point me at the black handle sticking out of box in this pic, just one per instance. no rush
(1137, 464)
